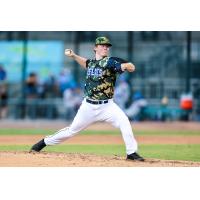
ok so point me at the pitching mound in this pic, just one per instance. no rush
(44, 159)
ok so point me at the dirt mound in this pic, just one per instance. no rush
(44, 159)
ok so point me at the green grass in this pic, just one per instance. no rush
(14, 147)
(7, 131)
(172, 152)
(166, 152)
(90, 132)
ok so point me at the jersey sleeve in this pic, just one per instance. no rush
(87, 62)
(115, 64)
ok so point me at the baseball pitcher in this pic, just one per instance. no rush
(98, 104)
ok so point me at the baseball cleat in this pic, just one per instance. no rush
(37, 147)
(135, 156)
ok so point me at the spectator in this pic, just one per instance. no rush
(122, 93)
(186, 104)
(3, 93)
(32, 86)
(65, 80)
(68, 100)
(163, 113)
(2, 73)
(135, 110)
(3, 101)
(32, 95)
(50, 87)
(78, 98)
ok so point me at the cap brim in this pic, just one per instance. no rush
(105, 44)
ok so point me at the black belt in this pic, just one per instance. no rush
(97, 102)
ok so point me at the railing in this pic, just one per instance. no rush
(55, 109)
(36, 108)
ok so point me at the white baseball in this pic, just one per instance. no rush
(67, 52)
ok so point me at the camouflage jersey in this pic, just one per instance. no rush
(101, 77)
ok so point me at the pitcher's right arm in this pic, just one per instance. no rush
(80, 60)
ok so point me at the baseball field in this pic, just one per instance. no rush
(171, 144)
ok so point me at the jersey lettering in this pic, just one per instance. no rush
(94, 72)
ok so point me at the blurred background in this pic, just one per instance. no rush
(38, 82)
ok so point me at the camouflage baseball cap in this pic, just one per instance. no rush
(102, 40)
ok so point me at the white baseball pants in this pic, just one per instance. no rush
(90, 113)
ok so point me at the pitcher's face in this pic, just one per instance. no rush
(102, 50)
